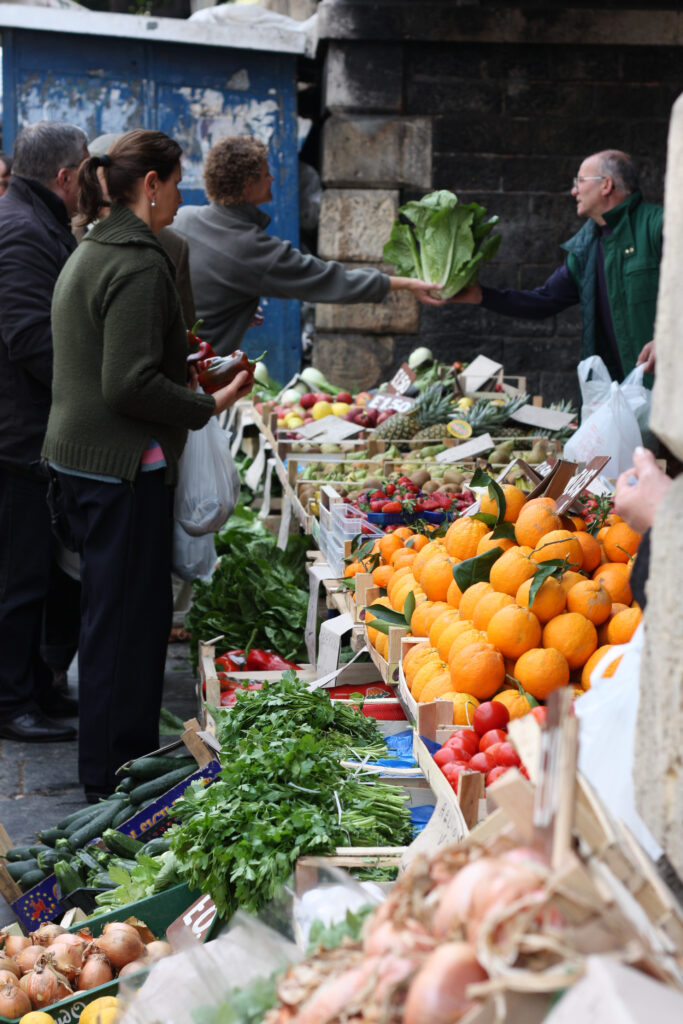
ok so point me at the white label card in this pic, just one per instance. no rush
(329, 428)
(327, 680)
(329, 642)
(239, 433)
(546, 419)
(384, 402)
(402, 379)
(444, 826)
(283, 533)
(316, 573)
(267, 487)
(252, 477)
(467, 450)
(479, 371)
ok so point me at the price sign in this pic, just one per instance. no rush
(389, 400)
(402, 379)
(194, 924)
(579, 482)
(285, 521)
(253, 475)
(317, 573)
(467, 450)
(444, 826)
(329, 642)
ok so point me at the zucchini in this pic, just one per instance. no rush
(156, 846)
(80, 815)
(101, 880)
(18, 853)
(48, 859)
(67, 877)
(126, 812)
(148, 790)
(121, 845)
(36, 849)
(49, 836)
(94, 828)
(84, 859)
(15, 869)
(126, 785)
(31, 878)
(146, 768)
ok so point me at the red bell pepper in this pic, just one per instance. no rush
(216, 372)
(267, 661)
(199, 349)
(231, 661)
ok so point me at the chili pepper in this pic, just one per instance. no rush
(267, 661)
(216, 372)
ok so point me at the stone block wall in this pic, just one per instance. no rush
(454, 96)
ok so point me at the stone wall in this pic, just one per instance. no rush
(422, 97)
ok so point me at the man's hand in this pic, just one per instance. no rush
(471, 294)
(646, 359)
(640, 489)
(258, 318)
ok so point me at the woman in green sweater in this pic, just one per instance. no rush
(121, 409)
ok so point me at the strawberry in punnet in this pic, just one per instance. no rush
(391, 507)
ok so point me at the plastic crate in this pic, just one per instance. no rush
(347, 521)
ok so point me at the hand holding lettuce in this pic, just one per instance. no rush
(440, 240)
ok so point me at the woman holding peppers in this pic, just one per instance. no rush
(121, 409)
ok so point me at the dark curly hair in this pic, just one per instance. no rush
(231, 165)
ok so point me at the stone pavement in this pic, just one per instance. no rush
(39, 781)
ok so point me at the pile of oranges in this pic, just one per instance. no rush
(481, 642)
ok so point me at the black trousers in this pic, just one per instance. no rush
(25, 567)
(124, 537)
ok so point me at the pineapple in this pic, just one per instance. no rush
(426, 421)
(488, 413)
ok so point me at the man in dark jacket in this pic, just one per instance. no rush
(612, 268)
(35, 242)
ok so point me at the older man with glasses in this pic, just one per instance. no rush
(612, 268)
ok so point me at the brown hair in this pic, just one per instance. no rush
(128, 160)
(231, 165)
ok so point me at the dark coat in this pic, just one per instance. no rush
(34, 246)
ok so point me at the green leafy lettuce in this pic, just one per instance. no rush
(441, 241)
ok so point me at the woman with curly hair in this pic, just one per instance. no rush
(233, 261)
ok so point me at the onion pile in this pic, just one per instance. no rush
(52, 963)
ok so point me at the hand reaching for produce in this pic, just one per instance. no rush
(640, 489)
(646, 359)
(471, 294)
(421, 289)
(239, 387)
(258, 318)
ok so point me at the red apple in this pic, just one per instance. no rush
(307, 401)
(344, 396)
(384, 416)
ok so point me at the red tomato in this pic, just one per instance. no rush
(491, 737)
(444, 756)
(540, 713)
(461, 751)
(490, 715)
(482, 763)
(495, 773)
(453, 771)
(465, 737)
(504, 755)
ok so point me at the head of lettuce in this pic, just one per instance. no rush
(440, 240)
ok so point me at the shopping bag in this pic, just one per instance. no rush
(608, 714)
(192, 557)
(594, 381)
(208, 482)
(611, 429)
(639, 399)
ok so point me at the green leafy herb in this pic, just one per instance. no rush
(329, 936)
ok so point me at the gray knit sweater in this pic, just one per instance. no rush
(233, 262)
(120, 348)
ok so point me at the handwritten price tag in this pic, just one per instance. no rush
(386, 401)
(402, 379)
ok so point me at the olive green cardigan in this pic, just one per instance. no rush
(120, 348)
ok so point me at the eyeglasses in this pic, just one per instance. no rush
(593, 177)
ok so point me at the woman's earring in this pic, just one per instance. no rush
(152, 202)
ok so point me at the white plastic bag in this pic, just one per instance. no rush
(208, 482)
(607, 715)
(594, 381)
(192, 557)
(612, 429)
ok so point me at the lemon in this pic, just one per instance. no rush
(321, 409)
(100, 1011)
(340, 408)
(37, 1017)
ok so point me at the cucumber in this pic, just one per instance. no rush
(148, 790)
(126, 785)
(156, 846)
(36, 849)
(18, 853)
(80, 815)
(49, 836)
(15, 869)
(31, 878)
(67, 877)
(126, 812)
(120, 844)
(146, 768)
(94, 828)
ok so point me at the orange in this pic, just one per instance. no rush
(374, 633)
(353, 568)
(569, 579)
(621, 542)
(612, 667)
(578, 523)
(514, 630)
(559, 544)
(543, 501)
(592, 552)
(516, 703)
(436, 577)
(573, 635)
(454, 595)
(401, 593)
(404, 532)
(614, 578)
(510, 570)
(550, 599)
(613, 518)
(534, 521)
(425, 674)
(464, 639)
(401, 557)
(487, 543)
(463, 536)
(515, 498)
(382, 645)
(424, 615)
(415, 656)
(487, 606)
(441, 622)
(464, 706)
(400, 574)
(448, 636)
(621, 628)
(430, 549)
(417, 542)
(602, 629)
(471, 596)
(382, 574)
(389, 544)
(542, 670)
(437, 686)
(590, 598)
(477, 669)
(587, 669)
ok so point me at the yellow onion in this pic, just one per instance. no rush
(26, 959)
(135, 965)
(158, 949)
(95, 971)
(437, 992)
(43, 986)
(511, 882)
(121, 945)
(68, 958)
(8, 977)
(13, 1002)
(46, 934)
(455, 898)
(15, 943)
(6, 964)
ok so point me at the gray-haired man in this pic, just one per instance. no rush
(35, 242)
